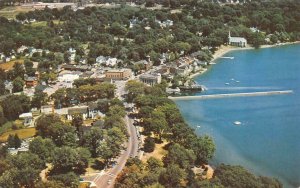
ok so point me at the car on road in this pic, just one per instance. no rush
(109, 182)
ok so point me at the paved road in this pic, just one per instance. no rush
(132, 150)
(102, 179)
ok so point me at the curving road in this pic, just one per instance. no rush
(105, 179)
(102, 180)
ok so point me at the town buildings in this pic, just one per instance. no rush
(118, 74)
(150, 79)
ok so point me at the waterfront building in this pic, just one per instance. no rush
(237, 41)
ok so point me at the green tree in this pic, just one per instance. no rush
(17, 141)
(158, 123)
(92, 139)
(66, 159)
(203, 147)
(2, 87)
(43, 124)
(116, 110)
(77, 122)
(172, 176)
(14, 105)
(2, 117)
(69, 179)
(258, 39)
(49, 184)
(24, 171)
(179, 155)
(42, 147)
(39, 98)
(150, 3)
(115, 139)
(103, 105)
(236, 176)
(18, 70)
(153, 164)
(18, 84)
(134, 89)
(149, 145)
(11, 141)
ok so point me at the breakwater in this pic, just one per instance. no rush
(216, 96)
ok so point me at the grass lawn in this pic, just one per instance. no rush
(158, 152)
(22, 133)
(12, 12)
(44, 23)
(39, 24)
(9, 65)
(8, 126)
(84, 185)
(95, 165)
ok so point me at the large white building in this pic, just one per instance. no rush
(237, 41)
(150, 79)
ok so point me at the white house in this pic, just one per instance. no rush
(111, 62)
(72, 52)
(21, 49)
(90, 111)
(68, 78)
(47, 109)
(27, 117)
(101, 60)
(237, 41)
(78, 110)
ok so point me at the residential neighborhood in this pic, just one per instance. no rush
(88, 90)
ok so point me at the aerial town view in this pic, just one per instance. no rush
(149, 93)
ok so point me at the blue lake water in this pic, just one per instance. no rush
(268, 140)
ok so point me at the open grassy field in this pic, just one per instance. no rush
(9, 65)
(44, 23)
(12, 12)
(22, 133)
(158, 152)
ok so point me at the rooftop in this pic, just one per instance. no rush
(237, 39)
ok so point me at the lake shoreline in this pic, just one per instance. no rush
(223, 125)
(222, 50)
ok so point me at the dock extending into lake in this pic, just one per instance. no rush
(229, 95)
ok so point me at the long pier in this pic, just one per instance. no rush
(229, 95)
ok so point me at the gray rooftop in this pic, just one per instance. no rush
(237, 39)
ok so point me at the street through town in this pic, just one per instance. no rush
(106, 179)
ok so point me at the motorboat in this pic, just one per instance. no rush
(237, 123)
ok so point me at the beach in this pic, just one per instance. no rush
(224, 49)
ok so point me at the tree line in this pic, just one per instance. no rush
(66, 149)
(160, 117)
(108, 32)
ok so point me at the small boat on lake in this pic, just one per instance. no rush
(237, 123)
(227, 83)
